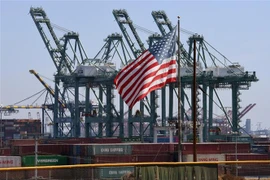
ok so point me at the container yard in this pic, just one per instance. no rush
(102, 112)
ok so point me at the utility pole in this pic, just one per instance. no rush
(179, 98)
(194, 107)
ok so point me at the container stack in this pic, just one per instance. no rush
(112, 150)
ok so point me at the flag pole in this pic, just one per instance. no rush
(179, 98)
(194, 105)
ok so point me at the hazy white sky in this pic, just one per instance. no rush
(238, 29)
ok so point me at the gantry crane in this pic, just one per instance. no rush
(224, 76)
(205, 77)
(68, 74)
(67, 53)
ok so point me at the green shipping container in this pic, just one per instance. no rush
(44, 160)
(113, 172)
(109, 149)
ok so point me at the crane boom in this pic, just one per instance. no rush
(23, 107)
(48, 88)
(123, 18)
(246, 110)
(40, 18)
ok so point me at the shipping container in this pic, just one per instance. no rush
(44, 160)
(18, 142)
(81, 150)
(150, 148)
(109, 149)
(10, 161)
(112, 172)
(246, 156)
(204, 157)
(61, 149)
(215, 148)
(67, 141)
(5, 152)
(112, 159)
(22, 150)
(231, 147)
(240, 139)
(260, 149)
(43, 149)
(79, 160)
(106, 140)
(153, 158)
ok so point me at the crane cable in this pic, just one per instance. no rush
(61, 28)
(30, 96)
(152, 32)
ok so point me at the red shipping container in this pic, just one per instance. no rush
(246, 156)
(173, 147)
(80, 149)
(106, 140)
(17, 142)
(154, 158)
(201, 148)
(5, 151)
(112, 159)
(230, 147)
(215, 148)
(69, 141)
(45, 149)
(22, 150)
(150, 148)
(61, 149)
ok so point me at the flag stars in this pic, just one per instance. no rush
(165, 47)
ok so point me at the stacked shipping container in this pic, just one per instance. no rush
(18, 128)
(81, 151)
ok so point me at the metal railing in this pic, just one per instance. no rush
(140, 171)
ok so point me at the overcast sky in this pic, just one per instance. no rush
(237, 29)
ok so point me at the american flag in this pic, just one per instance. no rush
(153, 69)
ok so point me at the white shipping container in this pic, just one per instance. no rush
(10, 161)
(204, 157)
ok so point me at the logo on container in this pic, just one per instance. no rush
(6, 162)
